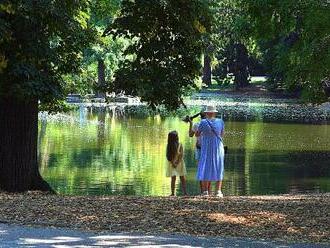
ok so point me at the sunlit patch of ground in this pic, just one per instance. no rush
(250, 219)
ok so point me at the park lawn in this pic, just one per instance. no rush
(286, 217)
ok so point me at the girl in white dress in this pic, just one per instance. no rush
(175, 166)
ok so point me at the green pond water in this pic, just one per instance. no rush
(95, 153)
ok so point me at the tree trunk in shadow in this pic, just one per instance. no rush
(101, 78)
(19, 169)
(207, 71)
(240, 65)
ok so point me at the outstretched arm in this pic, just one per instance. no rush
(222, 133)
(191, 131)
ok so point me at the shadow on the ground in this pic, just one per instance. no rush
(16, 236)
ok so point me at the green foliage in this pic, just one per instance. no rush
(103, 12)
(42, 45)
(231, 24)
(231, 38)
(40, 42)
(226, 81)
(107, 49)
(166, 48)
(294, 35)
(81, 83)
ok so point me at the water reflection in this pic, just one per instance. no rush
(105, 154)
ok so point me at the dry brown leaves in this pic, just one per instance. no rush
(287, 217)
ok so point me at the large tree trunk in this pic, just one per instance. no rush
(240, 66)
(207, 70)
(101, 78)
(18, 146)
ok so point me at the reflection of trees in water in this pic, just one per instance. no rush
(128, 156)
(132, 151)
(41, 138)
(253, 136)
(83, 113)
(236, 181)
(310, 163)
(101, 126)
(276, 158)
(276, 172)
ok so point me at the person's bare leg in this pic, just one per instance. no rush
(205, 184)
(209, 187)
(218, 186)
(173, 179)
(183, 185)
(200, 182)
(218, 191)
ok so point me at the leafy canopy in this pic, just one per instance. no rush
(163, 59)
(296, 41)
(105, 49)
(40, 42)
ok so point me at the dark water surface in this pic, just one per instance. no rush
(95, 153)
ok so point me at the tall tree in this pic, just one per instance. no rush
(294, 36)
(102, 14)
(207, 68)
(101, 58)
(231, 37)
(163, 59)
(40, 42)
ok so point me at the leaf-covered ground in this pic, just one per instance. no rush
(286, 217)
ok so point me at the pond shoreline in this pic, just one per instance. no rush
(234, 106)
(258, 104)
(303, 218)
